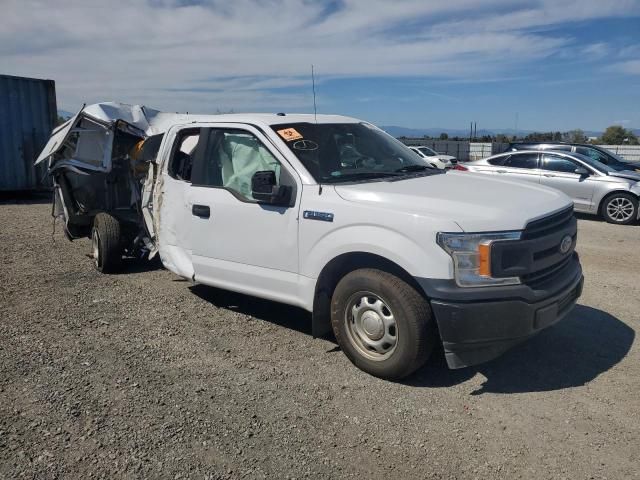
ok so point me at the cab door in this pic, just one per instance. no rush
(238, 243)
(559, 172)
(521, 166)
(172, 199)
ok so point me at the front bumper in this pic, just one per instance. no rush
(477, 325)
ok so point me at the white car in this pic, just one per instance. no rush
(329, 214)
(594, 187)
(437, 160)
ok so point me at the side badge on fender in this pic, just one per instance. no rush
(322, 216)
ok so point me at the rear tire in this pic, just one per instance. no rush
(106, 243)
(382, 324)
(620, 208)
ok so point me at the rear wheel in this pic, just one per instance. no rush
(620, 208)
(106, 243)
(382, 324)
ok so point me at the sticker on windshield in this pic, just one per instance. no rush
(289, 134)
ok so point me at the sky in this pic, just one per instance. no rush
(552, 64)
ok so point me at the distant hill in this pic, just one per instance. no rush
(421, 132)
(452, 132)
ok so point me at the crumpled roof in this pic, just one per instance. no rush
(150, 120)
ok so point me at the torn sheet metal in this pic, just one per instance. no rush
(138, 118)
(102, 160)
(58, 136)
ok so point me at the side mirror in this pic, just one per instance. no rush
(265, 189)
(583, 172)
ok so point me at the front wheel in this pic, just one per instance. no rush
(382, 324)
(106, 243)
(620, 208)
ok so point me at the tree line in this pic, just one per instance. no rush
(613, 135)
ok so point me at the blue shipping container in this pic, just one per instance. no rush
(28, 114)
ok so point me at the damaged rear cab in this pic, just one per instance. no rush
(99, 160)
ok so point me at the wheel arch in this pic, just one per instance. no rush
(614, 192)
(337, 268)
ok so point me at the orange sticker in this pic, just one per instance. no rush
(289, 134)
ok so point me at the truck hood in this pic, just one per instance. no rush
(475, 202)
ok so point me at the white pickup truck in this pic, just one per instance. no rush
(330, 214)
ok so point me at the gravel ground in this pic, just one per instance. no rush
(142, 375)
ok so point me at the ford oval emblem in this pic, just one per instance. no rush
(565, 244)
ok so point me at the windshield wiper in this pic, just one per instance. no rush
(345, 177)
(413, 168)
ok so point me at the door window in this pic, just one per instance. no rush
(561, 148)
(183, 153)
(522, 160)
(230, 160)
(554, 163)
(594, 154)
(498, 162)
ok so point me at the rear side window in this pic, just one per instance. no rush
(498, 161)
(182, 154)
(522, 160)
(555, 163)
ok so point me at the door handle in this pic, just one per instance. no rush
(501, 171)
(548, 174)
(202, 211)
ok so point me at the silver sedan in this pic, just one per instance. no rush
(594, 187)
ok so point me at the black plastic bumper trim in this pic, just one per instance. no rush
(481, 329)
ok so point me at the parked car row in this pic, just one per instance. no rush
(327, 213)
(595, 187)
(595, 152)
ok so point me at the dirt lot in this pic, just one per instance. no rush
(142, 375)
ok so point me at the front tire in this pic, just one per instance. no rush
(106, 243)
(382, 324)
(620, 208)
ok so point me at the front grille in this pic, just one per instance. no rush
(539, 278)
(536, 258)
(544, 237)
(548, 225)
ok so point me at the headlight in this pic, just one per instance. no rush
(471, 254)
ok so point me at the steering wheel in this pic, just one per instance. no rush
(359, 162)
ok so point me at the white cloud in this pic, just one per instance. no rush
(596, 50)
(631, 67)
(257, 54)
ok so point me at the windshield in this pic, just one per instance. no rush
(427, 151)
(615, 160)
(609, 153)
(343, 152)
(599, 166)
